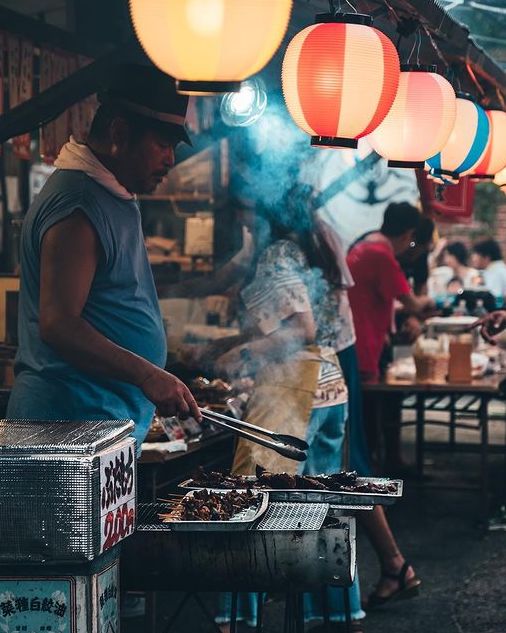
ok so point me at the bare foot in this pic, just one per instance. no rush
(224, 628)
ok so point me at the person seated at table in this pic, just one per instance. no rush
(487, 257)
(379, 281)
(456, 257)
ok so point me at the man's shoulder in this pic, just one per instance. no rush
(370, 250)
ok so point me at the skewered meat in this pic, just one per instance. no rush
(339, 482)
(204, 505)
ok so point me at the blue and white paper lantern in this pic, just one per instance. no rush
(467, 143)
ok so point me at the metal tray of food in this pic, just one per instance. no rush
(243, 520)
(333, 497)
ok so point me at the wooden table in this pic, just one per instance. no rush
(459, 401)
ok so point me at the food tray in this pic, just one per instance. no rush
(333, 497)
(241, 521)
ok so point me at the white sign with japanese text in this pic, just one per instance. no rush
(117, 495)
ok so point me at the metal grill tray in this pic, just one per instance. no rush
(148, 518)
(333, 497)
(293, 516)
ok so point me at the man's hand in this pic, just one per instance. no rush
(491, 325)
(170, 395)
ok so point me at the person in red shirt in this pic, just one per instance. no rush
(379, 281)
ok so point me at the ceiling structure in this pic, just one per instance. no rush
(102, 30)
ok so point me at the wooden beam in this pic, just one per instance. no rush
(41, 33)
(49, 104)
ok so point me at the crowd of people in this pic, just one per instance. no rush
(317, 321)
(457, 267)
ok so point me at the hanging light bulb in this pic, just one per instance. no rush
(494, 158)
(210, 46)
(466, 144)
(420, 120)
(243, 108)
(340, 78)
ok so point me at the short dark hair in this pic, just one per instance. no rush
(137, 124)
(424, 231)
(488, 248)
(459, 251)
(399, 218)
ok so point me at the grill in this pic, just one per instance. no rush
(294, 516)
(299, 558)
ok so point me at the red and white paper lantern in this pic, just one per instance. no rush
(420, 121)
(340, 78)
(494, 158)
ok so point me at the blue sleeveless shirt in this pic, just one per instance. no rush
(122, 305)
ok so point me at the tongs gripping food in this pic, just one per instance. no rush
(286, 445)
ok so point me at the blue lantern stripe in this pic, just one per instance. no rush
(480, 141)
(435, 161)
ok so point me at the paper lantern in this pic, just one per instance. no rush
(500, 178)
(340, 78)
(494, 158)
(466, 144)
(210, 46)
(420, 121)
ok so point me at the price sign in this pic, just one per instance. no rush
(117, 495)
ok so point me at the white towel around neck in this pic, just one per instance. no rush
(79, 157)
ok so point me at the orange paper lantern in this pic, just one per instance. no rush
(210, 46)
(340, 78)
(420, 121)
(494, 158)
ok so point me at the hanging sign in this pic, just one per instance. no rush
(20, 54)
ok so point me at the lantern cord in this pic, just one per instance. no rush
(339, 9)
(500, 98)
(392, 11)
(435, 46)
(417, 42)
(474, 79)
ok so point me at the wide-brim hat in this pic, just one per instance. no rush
(150, 93)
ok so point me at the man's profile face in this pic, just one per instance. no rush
(150, 158)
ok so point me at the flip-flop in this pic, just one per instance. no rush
(407, 589)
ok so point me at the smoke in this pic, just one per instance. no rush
(266, 158)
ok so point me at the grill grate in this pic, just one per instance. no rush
(294, 516)
(147, 517)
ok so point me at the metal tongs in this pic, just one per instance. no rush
(286, 445)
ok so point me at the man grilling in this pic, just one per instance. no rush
(91, 340)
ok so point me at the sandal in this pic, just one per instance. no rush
(407, 589)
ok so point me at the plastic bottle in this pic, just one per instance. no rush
(480, 309)
(461, 309)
